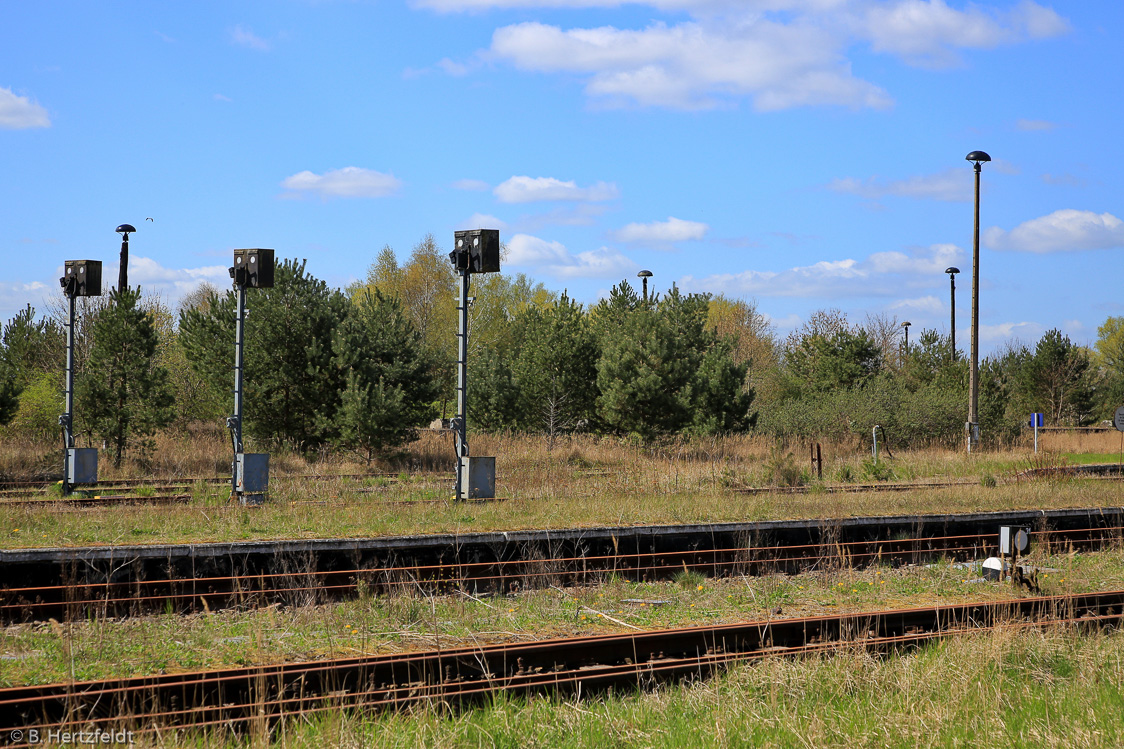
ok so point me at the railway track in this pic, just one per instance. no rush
(17, 491)
(119, 584)
(260, 696)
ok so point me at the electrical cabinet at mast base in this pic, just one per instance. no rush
(480, 473)
(251, 473)
(81, 465)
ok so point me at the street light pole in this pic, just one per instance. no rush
(952, 271)
(978, 158)
(905, 327)
(644, 275)
(123, 273)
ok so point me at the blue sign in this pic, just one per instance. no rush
(1037, 420)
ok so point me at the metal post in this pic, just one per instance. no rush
(461, 421)
(123, 273)
(874, 447)
(952, 320)
(235, 421)
(66, 421)
(1035, 417)
(974, 373)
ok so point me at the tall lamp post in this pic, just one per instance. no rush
(952, 271)
(644, 275)
(123, 274)
(973, 426)
(905, 327)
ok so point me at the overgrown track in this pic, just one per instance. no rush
(18, 490)
(242, 697)
(121, 581)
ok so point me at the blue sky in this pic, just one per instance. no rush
(803, 153)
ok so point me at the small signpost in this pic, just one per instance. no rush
(1036, 420)
(1118, 422)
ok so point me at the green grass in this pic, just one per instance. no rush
(1027, 690)
(103, 648)
(1036, 688)
(1088, 458)
(325, 510)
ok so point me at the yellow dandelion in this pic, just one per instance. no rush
(700, 587)
(510, 610)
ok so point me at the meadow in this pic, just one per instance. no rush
(1055, 687)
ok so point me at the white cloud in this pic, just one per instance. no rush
(532, 189)
(175, 282)
(932, 261)
(1022, 331)
(1035, 125)
(927, 304)
(662, 232)
(693, 65)
(15, 295)
(581, 214)
(456, 69)
(788, 322)
(473, 185)
(882, 274)
(1061, 231)
(244, 37)
(927, 32)
(482, 221)
(20, 113)
(220, 97)
(949, 185)
(1063, 180)
(349, 182)
(777, 53)
(555, 260)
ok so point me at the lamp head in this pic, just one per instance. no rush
(951, 270)
(644, 274)
(978, 156)
(125, 229)
(906, 324)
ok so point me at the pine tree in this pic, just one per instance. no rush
(1055, 379)
(389, 388)
(663, 370)
(556, 369)
(10, 391)
(124, 395)
(292, 388)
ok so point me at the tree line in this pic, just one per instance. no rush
(360, 369)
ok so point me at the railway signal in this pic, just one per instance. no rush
(249, 472)
(474, 251)
(79, 464)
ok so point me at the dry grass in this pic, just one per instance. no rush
(413, 620)
(584, 481)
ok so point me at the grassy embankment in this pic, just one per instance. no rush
(412, 620)
(582, 482)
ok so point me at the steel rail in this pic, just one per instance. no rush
(238, 697)
(177, 480)
(81, 599)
